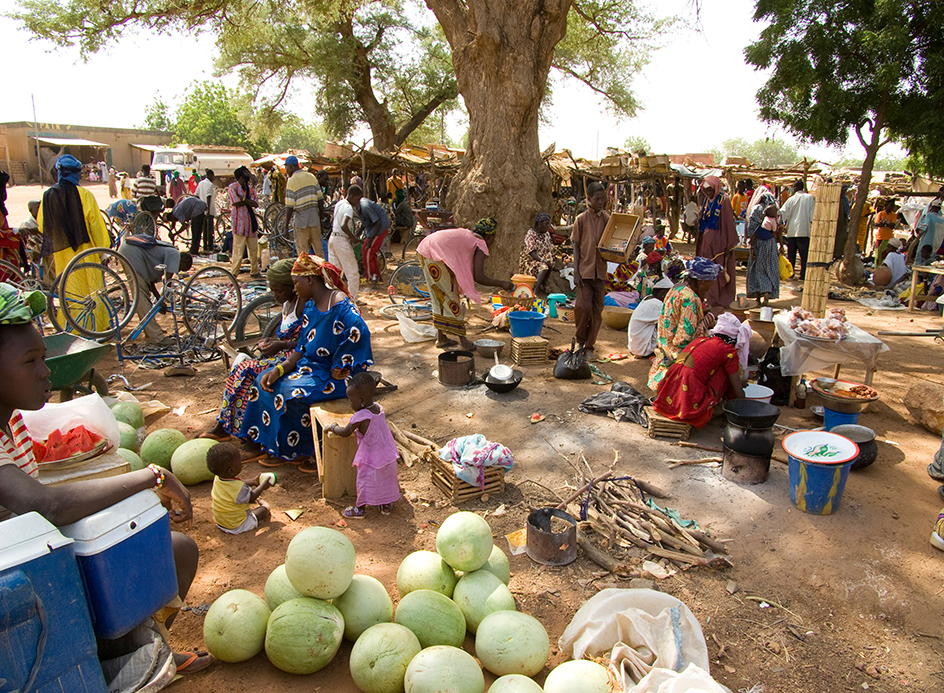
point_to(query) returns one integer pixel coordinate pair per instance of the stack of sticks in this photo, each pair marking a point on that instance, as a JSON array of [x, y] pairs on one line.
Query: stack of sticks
[[412, 447], [617, 513]]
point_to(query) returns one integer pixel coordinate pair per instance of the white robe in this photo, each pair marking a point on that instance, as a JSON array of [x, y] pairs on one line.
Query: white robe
[[643, 332]]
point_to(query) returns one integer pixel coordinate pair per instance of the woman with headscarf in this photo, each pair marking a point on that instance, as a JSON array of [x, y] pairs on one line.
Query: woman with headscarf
[[176, 188], [717, 239], [684, 316], [763, 266], [273, 350], [333, 344], [9, 239], [243, 201], [708, 371], [71, 222], [453, 261], [538, 254]]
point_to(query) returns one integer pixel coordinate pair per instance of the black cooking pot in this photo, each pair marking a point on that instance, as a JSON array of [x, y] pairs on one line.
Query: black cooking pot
[[863, 437], [749, 413], [754, 442]]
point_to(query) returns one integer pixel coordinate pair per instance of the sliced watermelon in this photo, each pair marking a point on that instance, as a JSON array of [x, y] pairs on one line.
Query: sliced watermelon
[[39, 451], [74, 442]]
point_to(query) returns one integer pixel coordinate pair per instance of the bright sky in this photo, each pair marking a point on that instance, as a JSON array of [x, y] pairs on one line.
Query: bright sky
[[686, 107]]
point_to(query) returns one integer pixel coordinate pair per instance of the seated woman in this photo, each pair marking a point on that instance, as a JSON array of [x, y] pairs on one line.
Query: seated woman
[[26, 377], [453, 262], [240, 380], [684, 316], [334, 343], [643, 333], [538, 255], [708, 371]]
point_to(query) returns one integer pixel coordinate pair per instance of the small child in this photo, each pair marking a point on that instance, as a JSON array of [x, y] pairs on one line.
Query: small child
[[770, 219], [233, 496], [376, 458]]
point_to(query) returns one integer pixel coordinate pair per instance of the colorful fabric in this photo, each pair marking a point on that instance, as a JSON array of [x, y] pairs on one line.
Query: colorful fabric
[[303, 193], [63, 216], [543, 244], [654, 258], [280, 420], [456, 249], [17, 446], [376, 460], [242, 216], [621, 278], [711, 208], [727, 325], [697, 381], [228, 511], [763, 269], [444, 297], [717, 243], [470, 455], [311, 265], [542, 218], [679, 323], [20, 307], [69, 169], [703, 269], [240, 380], [486, 226]]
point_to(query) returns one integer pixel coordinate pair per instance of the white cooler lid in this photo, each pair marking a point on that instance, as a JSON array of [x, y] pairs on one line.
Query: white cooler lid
[[104, 529], [27, 537]]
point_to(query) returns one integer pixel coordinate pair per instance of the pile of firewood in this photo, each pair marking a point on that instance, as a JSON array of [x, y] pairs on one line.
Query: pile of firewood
[[412, 447], [618, 515]]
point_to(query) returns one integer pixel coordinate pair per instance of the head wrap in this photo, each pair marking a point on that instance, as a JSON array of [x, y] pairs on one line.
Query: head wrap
[[313, 266], [715, 184], [241, 171], [703, 269], [69, 168], [729, 326], [291, 161], [486, 226], [19, 307], [399, 196], [895, 243], [654, 258], [542, 218], [664, 283], [176, 175], [281, 272]]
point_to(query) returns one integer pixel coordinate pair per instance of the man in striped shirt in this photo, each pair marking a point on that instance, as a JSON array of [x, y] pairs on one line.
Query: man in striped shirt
[[304, 201], [144, 185]]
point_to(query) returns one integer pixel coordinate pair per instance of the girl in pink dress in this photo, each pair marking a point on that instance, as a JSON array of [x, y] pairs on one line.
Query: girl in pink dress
[[376, 458]]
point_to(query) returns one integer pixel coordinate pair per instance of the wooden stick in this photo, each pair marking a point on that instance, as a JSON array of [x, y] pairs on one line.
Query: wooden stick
[[400, 438], [651, 489], [685, 444], [712, 544], [600, 558], [420, 439], [704, 460]]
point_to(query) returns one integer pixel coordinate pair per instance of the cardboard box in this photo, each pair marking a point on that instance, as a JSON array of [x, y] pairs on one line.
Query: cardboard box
[[619, 237], [614, 165]]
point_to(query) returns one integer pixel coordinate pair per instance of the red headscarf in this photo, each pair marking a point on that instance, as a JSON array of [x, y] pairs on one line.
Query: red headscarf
[[313, 266]]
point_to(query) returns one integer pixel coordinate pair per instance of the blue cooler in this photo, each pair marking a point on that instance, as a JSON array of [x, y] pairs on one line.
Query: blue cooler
[[127, 562], [46, 639]]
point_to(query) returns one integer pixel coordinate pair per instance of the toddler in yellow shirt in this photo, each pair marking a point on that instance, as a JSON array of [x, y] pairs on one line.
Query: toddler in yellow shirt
[[233, 497]]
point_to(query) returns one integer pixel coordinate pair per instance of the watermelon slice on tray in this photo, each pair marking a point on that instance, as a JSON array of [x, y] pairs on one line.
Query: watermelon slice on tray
[[57, 446]]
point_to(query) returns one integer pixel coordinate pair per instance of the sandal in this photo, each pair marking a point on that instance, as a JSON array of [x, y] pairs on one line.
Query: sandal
[[352, 512], [196, 661], [386, 508], [213, 436], [267, 461]]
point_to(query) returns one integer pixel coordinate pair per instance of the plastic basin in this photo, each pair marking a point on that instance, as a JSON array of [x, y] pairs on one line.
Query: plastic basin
[[526, 323]]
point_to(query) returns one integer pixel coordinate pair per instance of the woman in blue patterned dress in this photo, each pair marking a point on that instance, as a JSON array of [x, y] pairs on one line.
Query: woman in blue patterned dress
[[334, 343], [243, 375]]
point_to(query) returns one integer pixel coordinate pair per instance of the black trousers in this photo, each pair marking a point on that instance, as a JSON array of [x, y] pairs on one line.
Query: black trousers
[[801, 245], [201, 226]]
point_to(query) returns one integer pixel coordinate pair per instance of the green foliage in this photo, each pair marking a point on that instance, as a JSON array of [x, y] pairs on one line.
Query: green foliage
[[157, 116], [763, 153], [607, 42], [885, 162], [635, 144], [854, 64], [296, 134], [208, 115]]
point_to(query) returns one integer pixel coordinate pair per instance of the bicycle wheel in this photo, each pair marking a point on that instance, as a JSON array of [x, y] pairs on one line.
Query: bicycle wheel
[[98, 293], [408, 280], [181, 233], [418, 310], [12, 274], [271, 212], [144, 223], [282, 240], [260, 318], [210, 304], [411, 245]]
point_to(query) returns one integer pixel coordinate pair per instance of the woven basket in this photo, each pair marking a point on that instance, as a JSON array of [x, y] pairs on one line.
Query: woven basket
[[520, 301]]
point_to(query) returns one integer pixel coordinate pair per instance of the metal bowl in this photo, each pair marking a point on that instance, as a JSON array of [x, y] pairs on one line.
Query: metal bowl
[[751, 413], [502, 386], [489, 347], [862, 436]]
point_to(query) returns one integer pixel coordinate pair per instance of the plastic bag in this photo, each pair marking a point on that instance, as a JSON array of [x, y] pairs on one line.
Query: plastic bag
[[786, 269], [89, 411], [572, 365], [413, 331]]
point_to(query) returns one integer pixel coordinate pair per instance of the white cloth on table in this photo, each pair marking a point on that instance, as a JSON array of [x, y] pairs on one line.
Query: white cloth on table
[[800, 355]]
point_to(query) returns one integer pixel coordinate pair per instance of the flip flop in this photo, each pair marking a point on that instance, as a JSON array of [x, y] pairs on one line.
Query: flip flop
[[196, 661], [447, 345], [213, 436], [267, 461], [311, 470]]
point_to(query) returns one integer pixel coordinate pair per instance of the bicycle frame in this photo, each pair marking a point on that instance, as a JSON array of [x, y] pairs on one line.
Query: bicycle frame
[[170, 287]]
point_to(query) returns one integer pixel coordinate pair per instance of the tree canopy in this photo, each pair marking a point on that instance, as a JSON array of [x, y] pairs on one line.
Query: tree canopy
[[763, 153], [873, 67]]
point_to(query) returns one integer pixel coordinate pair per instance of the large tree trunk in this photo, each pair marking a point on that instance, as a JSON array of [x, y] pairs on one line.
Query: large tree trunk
[[852, 271], [501, 52]]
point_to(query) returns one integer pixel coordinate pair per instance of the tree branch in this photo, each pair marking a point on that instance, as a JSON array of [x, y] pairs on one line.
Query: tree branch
[[424, 113], [453, 16]]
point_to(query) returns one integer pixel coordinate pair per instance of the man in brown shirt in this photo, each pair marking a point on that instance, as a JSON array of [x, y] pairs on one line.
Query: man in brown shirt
[[589, 267]]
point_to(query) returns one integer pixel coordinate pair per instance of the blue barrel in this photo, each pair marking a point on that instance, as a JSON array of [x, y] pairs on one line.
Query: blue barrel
[[832, 419], [819, 464]]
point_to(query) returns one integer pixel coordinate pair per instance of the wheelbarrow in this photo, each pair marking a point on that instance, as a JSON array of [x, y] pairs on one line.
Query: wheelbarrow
[[71, 360]]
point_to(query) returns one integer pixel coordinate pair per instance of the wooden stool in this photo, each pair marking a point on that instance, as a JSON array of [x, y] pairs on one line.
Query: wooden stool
[[662, 427], [529, 351], [334, 454]]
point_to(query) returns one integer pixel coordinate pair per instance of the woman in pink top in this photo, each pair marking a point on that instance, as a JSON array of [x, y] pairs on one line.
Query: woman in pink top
[[376, 457], [453, 261]]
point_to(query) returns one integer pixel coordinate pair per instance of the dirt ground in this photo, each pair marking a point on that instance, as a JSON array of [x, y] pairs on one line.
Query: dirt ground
[[854, 598]]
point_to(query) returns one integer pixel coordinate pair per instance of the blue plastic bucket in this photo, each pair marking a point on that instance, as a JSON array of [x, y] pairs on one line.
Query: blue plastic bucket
[[819, 464], [837, 418], [526, 323]]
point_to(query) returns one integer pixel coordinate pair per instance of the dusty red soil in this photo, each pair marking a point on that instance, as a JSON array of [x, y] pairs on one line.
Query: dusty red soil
[[860, 590]]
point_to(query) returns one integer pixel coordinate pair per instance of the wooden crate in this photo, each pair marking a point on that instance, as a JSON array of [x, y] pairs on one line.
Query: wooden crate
[[334, 454], [529, 351], [619, 237], [456, 490], [662, 427]]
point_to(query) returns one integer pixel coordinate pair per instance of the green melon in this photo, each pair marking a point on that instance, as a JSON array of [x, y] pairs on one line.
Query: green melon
[[433, 618], [480, 593], [279, 589], [578, 675], [189, 461], [498, 565], [464, 541], [365, 603], [380, 657], [131, 458], [128, 436], [515, 683], [159, 446], [235, 626], [509, 642], [303, 635], [425, 570], [444, 669], [320, 562], [129, 412]]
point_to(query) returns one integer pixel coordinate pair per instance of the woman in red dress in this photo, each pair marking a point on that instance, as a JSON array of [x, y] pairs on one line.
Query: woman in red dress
[[707, 372]]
